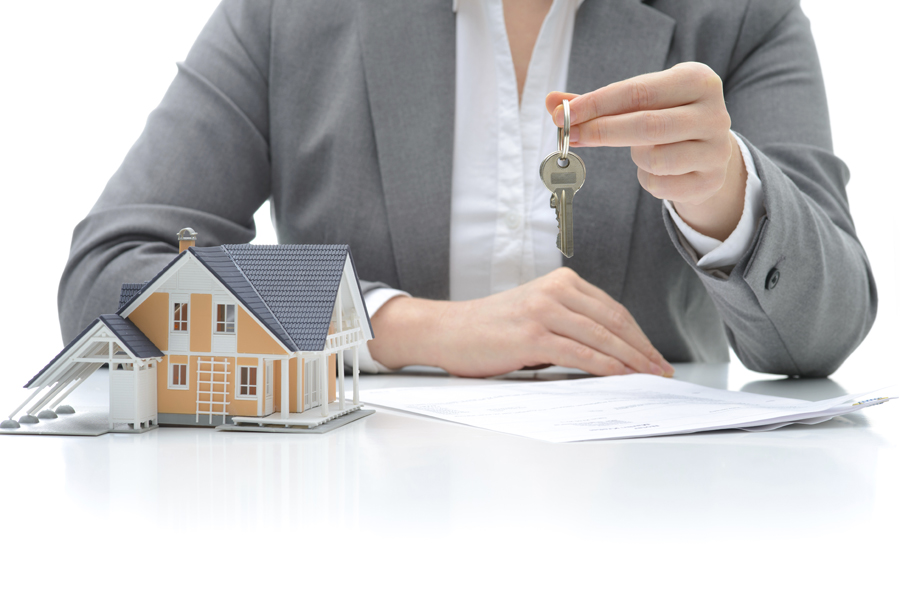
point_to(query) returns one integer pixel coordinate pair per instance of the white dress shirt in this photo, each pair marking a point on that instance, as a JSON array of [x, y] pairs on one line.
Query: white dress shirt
[[502, 229]]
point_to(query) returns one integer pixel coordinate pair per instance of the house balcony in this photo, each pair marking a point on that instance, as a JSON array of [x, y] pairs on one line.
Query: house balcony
[[343, 340]]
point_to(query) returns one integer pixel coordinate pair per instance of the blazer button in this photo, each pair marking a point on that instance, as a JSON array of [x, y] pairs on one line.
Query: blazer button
[[772, 279]]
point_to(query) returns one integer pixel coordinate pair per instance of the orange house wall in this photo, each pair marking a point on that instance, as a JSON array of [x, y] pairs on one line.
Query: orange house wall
[[332, 378], [253, 339], [176, 401], [185, 401], [200, 314], [245, 406], [292, 386], [152, 318], [293, 383]]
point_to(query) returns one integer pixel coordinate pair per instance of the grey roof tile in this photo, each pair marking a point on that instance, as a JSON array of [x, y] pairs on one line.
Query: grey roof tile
[[291, 288], [129, 291], [130, 336], [220, 263]]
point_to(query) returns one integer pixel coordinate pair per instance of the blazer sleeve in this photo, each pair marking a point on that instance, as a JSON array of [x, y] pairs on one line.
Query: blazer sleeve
[[202, 161], [802, 297]]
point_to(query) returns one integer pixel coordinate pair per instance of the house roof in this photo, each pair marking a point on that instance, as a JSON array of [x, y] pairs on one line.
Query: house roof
[[129, 291], [221, 264], [291, 288], [122, 328], [130, 336]]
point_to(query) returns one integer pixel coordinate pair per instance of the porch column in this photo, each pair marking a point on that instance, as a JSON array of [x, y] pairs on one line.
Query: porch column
[[260, 385], [356, 375], [285, 388], [323, 384], [300, 384], [340, 354], [340, 377], [135, 401]]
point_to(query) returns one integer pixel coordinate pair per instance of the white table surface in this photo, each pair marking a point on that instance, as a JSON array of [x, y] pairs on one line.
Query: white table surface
[[424, 508]]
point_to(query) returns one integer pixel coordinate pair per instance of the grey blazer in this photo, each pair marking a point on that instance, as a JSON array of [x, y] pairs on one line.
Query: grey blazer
[[341, 112]]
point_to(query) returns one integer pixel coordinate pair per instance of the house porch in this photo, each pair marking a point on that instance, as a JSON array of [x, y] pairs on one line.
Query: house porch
[[307, 419]]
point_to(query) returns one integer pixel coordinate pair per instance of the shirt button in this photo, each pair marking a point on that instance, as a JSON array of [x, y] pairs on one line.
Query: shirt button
[[512, 220], [772, 279]]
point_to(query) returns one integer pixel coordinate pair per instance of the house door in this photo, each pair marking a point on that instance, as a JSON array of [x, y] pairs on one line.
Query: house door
[[311, 384], [270, 381]]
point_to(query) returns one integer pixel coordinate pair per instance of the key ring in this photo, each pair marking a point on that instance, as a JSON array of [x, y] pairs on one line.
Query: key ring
[[562, 134]]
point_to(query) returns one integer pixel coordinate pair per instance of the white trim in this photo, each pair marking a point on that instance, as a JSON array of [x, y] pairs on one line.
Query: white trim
[[323, 385], [179, 297], [358, 303], [260, 376], [217, 301], [187, 375], [61, 363], [356, 375], [237, 392], [285, 388]]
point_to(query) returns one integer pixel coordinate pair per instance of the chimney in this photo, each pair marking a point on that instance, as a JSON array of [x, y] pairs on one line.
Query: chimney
[[186, 238]]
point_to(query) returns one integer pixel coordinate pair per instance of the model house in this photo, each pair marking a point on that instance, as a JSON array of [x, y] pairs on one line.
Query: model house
[[243, 335]]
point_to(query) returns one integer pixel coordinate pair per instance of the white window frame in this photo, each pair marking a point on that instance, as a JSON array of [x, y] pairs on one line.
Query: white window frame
[[216, 321], [241, 385], [187, 318], [187, 376]]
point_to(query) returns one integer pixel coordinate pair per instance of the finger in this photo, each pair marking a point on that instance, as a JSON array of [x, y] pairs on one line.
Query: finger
[[603, 310], [590, 333], [646, 128], [554, 101], [682, 84], [683, 157], [566, 352], [577, 294], [692, 187]]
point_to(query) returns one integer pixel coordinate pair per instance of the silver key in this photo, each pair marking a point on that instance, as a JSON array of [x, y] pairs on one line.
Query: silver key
[[563, 180], [563, 173]]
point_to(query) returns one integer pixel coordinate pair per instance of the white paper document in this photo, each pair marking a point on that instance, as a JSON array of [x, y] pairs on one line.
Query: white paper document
[[612, 407]]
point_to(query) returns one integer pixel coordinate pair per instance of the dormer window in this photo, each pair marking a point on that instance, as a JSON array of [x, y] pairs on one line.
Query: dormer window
[[225, 319], [179, 317]]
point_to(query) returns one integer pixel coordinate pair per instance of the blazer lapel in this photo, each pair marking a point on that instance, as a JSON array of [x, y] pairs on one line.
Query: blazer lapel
[[613, 40], [409, 56]]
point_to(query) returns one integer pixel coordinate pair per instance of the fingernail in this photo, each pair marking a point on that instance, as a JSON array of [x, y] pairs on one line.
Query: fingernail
[[667, 367], [657, 370], [558, 117], [573, 133]]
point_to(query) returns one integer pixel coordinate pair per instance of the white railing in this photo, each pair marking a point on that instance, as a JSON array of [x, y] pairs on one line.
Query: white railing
[[342, 340]]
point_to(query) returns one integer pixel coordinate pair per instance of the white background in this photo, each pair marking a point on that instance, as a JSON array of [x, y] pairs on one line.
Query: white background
[[80, 78]]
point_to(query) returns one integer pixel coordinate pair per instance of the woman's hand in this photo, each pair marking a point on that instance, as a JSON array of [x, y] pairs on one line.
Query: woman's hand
[[677, 126], [557, 319]]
